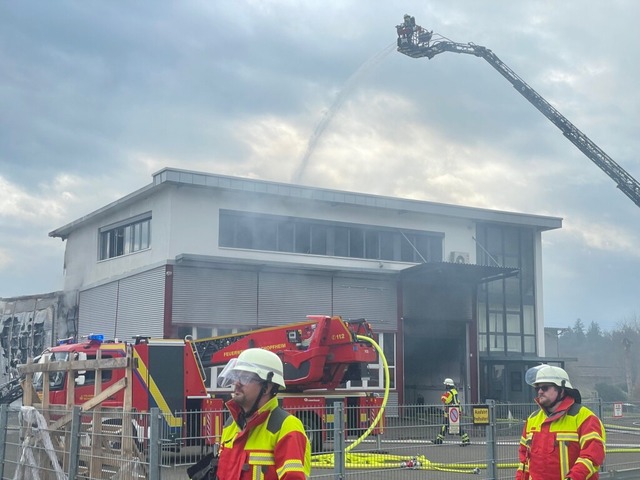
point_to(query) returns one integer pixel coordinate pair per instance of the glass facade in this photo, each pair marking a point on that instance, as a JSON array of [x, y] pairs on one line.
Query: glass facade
[[506, 308], [506, 312]]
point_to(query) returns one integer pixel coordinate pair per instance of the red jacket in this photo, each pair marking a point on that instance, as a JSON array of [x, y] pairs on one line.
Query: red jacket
[[272, 446], [570, 443]]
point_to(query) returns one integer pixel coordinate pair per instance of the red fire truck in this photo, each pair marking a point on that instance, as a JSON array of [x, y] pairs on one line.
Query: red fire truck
[[318, 356]]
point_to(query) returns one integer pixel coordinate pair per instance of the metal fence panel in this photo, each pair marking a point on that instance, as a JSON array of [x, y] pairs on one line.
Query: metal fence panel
[[112, 444]]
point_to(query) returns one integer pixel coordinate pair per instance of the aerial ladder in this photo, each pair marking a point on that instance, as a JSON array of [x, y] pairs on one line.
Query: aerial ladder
[[320, 353], [417, 42]]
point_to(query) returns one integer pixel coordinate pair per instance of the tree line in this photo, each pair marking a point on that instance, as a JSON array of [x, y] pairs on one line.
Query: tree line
[[605, 361]]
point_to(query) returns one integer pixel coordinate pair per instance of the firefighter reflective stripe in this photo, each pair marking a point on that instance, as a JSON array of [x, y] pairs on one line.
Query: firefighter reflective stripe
[[567, 437], [570, 443], [563, 451], [257, 474], [261, 458], [590, 436], [292, 465], [272, 446], [588, 464]]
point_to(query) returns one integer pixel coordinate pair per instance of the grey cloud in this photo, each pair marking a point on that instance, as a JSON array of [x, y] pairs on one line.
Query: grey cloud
[[106, 91]]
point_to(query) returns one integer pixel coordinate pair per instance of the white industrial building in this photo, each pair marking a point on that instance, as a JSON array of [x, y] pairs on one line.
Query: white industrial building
[[452, 291]]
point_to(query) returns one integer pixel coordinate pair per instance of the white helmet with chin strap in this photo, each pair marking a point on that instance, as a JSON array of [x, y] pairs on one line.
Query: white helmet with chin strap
[[547, 374], [263, 363], [449, 382]]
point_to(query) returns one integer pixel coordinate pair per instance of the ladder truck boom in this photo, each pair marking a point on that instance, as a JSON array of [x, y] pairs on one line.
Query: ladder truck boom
[[320, 353], [417, 42]]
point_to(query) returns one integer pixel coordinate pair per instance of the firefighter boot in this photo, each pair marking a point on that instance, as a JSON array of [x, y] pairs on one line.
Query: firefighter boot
[[439, 439], [466, 441]]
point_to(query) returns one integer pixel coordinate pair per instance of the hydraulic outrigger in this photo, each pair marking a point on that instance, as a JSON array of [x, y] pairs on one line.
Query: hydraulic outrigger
[[417, 42]]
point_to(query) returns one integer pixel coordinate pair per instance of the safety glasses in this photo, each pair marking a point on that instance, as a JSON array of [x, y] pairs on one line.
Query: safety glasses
[[245, 378], [229, 378], [544, 388]]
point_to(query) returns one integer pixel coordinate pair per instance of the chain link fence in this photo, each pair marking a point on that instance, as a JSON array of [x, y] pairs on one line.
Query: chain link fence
[[112, 444]]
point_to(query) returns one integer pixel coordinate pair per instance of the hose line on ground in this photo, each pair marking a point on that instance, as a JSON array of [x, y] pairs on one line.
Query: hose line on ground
[[366, 460]]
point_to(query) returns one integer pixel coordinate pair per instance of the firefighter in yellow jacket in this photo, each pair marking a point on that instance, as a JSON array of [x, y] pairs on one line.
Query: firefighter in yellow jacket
[[563, 440], [450, 399], [260, 440]]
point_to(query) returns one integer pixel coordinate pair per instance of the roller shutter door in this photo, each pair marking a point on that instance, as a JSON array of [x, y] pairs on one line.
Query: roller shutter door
[[373, 299], [97, 310], [290, 297], [207, 296], [141, 305]]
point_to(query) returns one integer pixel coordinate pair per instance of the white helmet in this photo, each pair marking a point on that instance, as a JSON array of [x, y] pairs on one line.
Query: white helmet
[[253, 360], [449, 382], [547, 374]]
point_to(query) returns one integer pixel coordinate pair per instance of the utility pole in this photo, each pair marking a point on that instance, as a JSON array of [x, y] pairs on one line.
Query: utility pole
[[626, 343]]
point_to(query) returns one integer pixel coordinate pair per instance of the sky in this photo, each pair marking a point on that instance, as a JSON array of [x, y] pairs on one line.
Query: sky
[[96, 96]]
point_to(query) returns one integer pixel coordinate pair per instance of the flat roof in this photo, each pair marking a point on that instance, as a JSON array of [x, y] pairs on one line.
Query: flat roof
[[173, 176]]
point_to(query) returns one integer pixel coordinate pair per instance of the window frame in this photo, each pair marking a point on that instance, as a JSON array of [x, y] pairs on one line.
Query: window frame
[[125, 237], [305, 236]]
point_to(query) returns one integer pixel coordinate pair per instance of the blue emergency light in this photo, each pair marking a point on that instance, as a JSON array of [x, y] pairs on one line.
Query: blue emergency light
[[95, 337]]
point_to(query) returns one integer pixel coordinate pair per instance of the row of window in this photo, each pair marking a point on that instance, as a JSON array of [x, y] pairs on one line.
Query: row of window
[[506, 313], [298, 235], [123, 239]]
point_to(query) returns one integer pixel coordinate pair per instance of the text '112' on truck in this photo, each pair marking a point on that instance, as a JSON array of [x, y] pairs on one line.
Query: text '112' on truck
[[319, 356]]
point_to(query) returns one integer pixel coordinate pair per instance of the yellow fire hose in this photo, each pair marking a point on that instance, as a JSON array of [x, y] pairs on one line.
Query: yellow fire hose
[[364, 460]]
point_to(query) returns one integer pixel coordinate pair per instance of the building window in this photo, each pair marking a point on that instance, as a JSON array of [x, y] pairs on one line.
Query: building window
[[506, 308], [125, 237], [305, 236]]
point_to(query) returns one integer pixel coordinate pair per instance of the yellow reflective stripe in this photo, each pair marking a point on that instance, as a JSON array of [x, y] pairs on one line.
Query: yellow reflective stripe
[[567, 437], [292, 465], [590, 436], [257, 473], [564, 459], [261, 458], [589, 464], [155, 392]]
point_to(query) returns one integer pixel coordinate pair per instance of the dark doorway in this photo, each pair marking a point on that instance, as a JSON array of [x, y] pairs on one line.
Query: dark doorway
[[433, 351]]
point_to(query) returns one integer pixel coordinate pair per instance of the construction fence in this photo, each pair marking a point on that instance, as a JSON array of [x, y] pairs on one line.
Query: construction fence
[[112, 444]]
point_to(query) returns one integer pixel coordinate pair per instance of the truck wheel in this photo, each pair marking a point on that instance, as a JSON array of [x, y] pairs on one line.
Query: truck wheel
[[311, 424]]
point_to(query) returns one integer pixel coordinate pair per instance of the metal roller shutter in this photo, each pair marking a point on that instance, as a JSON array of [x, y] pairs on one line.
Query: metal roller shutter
[[373, 299], [141, 305], [207, 296], [97, 310], [290, 297]]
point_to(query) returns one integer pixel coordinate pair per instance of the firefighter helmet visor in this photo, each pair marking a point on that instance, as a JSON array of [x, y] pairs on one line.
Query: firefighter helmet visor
[[263, 364], [545, 374]]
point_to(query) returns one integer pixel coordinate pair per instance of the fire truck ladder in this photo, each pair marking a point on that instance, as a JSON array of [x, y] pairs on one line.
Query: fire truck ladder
[[204, 348], [189, 339], [416, 42]]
